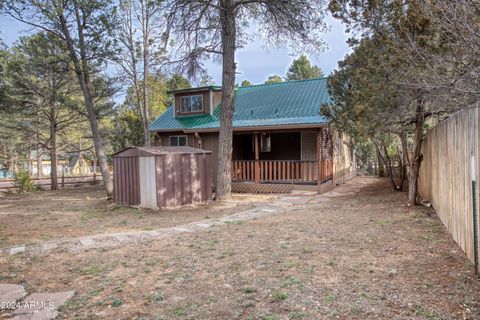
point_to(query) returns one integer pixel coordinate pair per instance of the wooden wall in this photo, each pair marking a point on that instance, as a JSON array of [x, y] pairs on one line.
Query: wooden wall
[[445, 178], [342, 157]]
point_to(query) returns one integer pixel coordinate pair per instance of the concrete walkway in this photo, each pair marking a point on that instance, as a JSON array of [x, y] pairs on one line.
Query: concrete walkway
[[36, 306], [279, 205]]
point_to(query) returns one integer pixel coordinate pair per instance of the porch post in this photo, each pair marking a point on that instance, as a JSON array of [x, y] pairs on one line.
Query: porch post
[[319, 158], [257, 164]]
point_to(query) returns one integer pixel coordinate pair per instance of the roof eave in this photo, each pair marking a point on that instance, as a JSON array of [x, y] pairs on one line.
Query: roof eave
[[253, 128], [213, 88]]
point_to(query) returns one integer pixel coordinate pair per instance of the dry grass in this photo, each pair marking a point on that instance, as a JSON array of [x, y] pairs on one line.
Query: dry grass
[[45, 215], [355, 253]]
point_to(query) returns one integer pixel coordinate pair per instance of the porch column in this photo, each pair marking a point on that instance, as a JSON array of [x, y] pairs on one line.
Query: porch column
[[257, 157], [199, 140], [319, 157]]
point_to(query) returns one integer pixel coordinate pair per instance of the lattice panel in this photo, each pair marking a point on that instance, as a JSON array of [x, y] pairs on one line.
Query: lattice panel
[[327, 144], [248, 187]]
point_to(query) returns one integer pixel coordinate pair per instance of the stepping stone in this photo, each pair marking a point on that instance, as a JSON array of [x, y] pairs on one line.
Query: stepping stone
[[10, 293], [203, 225], [42, 306], [15, 250], [182, 229], [49, 246], [87, 242]]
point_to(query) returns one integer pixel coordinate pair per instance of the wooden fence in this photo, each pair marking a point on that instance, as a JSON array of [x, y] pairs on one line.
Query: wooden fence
[[445, 175], [63, 181]]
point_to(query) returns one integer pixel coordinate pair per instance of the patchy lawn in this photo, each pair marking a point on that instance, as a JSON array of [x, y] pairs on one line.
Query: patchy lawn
[[355, 253], [45, 215]]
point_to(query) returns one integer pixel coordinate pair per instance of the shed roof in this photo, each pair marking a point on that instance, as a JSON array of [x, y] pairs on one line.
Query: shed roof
[[293, 102], [153, 151]]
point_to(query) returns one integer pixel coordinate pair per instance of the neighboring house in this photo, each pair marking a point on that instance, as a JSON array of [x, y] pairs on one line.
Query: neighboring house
[[279, 136], [78, 166]]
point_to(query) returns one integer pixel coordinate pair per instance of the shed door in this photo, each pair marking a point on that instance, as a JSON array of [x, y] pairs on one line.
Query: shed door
[[148, 184]]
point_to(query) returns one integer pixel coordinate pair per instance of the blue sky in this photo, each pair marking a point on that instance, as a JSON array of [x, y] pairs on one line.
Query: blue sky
[[255, 63]]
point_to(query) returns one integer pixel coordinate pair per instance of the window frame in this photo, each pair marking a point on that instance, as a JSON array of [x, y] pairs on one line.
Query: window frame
[[190, 97], [177, 137]]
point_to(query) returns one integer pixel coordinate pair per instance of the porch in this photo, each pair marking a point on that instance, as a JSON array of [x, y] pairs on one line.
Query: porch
[[269, 162]]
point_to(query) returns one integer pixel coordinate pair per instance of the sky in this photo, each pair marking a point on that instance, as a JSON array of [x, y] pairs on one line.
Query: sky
[[254, 62]]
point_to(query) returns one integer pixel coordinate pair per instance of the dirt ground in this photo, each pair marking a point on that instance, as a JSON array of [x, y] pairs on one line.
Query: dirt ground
[[357, 252], [45, 215]]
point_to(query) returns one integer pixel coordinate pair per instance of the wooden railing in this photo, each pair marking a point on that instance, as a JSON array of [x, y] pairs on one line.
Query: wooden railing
[[280, 170]]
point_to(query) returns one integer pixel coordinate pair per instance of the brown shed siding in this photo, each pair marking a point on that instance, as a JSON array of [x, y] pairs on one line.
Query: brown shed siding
[[183, 179], [182, 175], [126, 181]]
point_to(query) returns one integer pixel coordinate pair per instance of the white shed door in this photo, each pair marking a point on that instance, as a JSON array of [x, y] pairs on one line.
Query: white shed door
[[148, 183]]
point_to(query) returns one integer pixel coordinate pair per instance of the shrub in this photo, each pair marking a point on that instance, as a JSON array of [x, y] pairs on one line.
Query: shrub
[[23, 182]]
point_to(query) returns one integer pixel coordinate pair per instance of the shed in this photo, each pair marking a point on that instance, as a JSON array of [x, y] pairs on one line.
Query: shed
[[159, 177]]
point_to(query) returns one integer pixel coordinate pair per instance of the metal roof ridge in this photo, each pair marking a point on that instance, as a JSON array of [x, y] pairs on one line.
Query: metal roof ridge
[[284, 82]]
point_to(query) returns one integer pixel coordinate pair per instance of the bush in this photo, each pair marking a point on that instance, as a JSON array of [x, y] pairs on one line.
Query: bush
[[23, 182]]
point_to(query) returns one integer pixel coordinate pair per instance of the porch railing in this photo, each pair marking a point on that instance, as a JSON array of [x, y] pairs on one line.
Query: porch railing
[[281, 170]]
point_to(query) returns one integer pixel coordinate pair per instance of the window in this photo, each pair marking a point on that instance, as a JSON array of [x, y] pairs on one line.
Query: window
[[191, 103], [178, 141]]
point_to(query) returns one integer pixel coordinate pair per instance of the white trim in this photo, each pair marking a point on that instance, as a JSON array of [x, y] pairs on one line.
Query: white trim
[[210, 94], [148, 182]]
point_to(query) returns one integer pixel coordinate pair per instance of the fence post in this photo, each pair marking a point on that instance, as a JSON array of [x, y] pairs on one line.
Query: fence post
[[63, 180], [94, 177], [474, 207]]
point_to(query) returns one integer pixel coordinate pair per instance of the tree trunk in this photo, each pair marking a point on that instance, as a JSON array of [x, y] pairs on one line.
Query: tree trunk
[[53, 150], [99, 148], [414, 167], [380, 163], [405, 157], [146, 57], [224, 178], [82, 70], [390, 170]]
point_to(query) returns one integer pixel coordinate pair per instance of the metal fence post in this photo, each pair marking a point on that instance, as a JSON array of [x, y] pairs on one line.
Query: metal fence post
[[474, 207]]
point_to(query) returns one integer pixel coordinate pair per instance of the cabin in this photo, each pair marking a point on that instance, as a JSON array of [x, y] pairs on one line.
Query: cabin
[[281, 141]]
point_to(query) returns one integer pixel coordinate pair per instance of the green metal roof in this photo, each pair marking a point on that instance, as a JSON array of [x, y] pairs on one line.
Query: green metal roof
[[286, 103]]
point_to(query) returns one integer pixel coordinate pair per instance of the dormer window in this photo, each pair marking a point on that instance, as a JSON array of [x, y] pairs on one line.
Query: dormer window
[[191, 103]]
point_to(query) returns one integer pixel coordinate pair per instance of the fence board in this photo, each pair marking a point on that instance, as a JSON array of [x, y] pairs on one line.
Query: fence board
[[445, 178]]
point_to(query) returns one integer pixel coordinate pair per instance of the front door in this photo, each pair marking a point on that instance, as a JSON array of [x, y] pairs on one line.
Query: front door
[[309, 153], [309, 146]]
